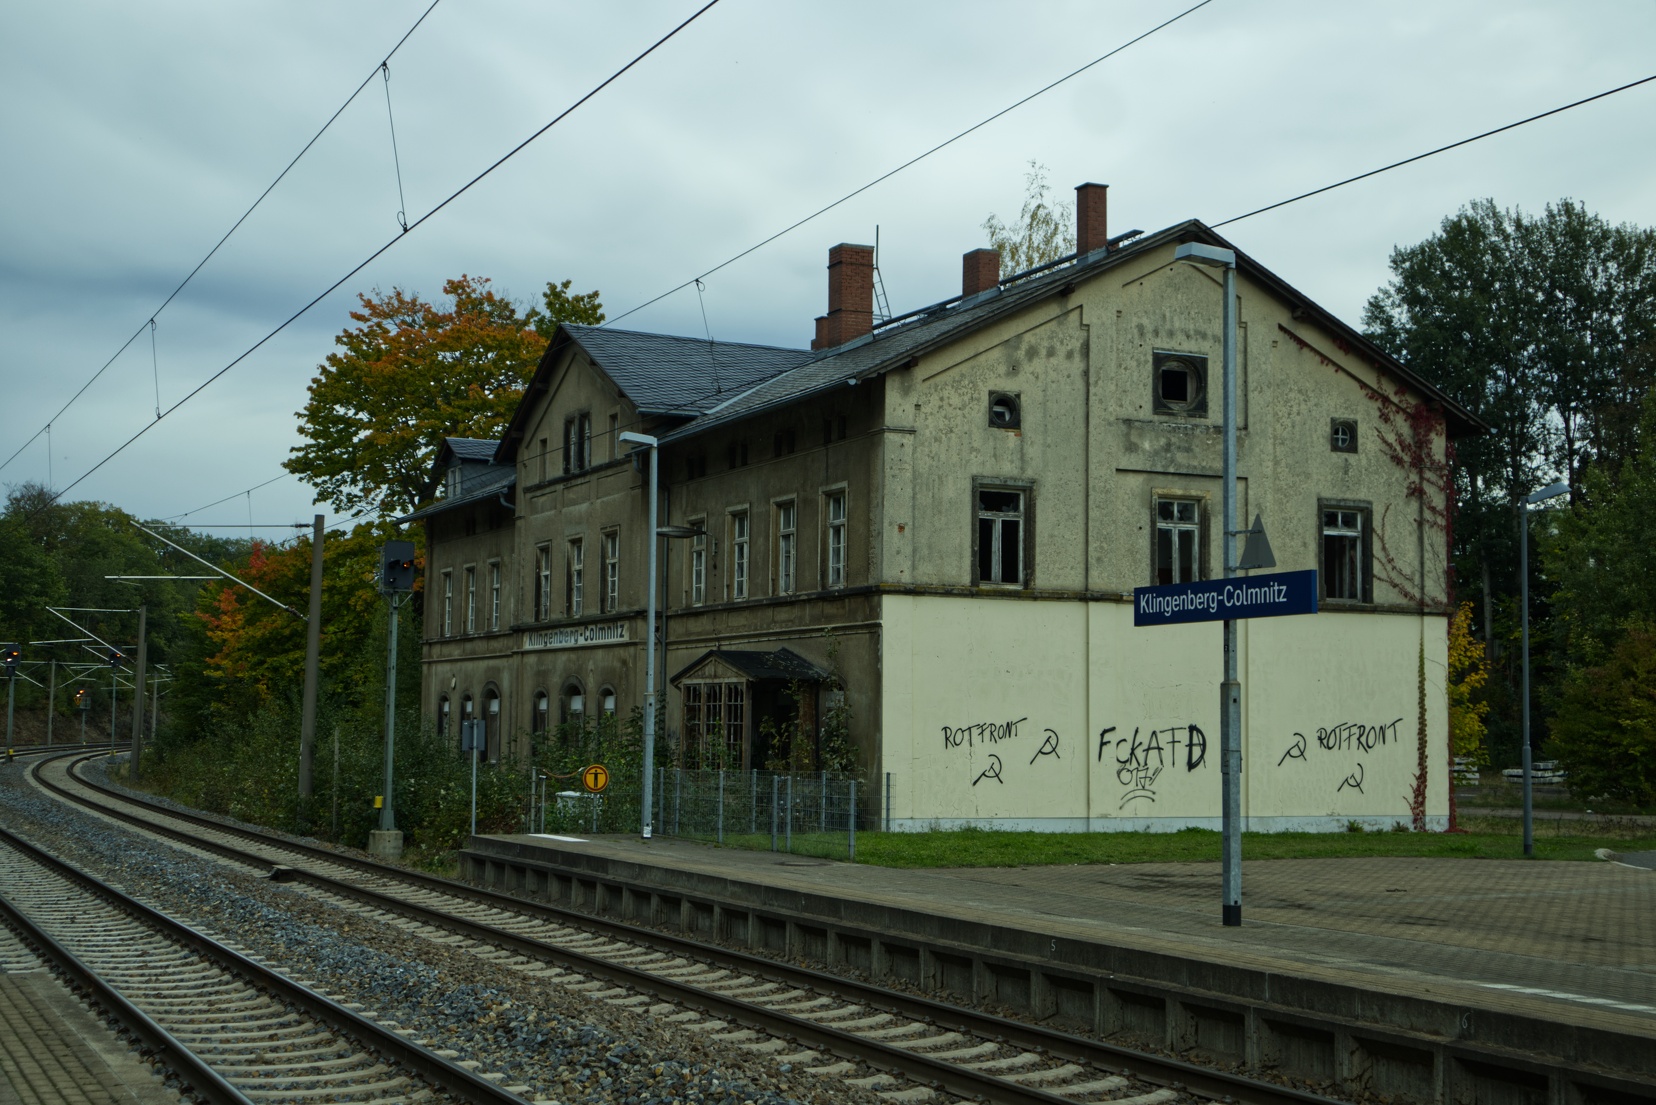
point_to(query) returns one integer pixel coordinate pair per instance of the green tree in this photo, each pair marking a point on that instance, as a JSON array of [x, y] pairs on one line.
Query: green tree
[[1605, 731], [411, 373], [1043, 231]]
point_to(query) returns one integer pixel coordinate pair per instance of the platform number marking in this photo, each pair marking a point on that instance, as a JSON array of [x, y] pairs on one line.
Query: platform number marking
[[595, 776]]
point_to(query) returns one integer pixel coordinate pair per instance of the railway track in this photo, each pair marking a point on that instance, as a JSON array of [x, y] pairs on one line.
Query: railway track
[[903, 1047], [230, 1030]]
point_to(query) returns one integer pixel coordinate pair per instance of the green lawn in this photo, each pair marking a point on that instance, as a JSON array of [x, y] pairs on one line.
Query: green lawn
[[1490, 838]]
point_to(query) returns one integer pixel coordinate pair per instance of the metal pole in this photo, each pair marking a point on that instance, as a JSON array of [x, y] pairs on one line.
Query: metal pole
[[776, 786], [388, 819], [790, 813], [155, 707], [721, 805], [888, 802], [83, 714], [114, 696], [649, 648], [313, 651], [471, 750], [11, 692], [822, 813], [851, 817], [336, 783], [51, 702], [753, 802], [138, 690], [1230, 692], [1523, 601]]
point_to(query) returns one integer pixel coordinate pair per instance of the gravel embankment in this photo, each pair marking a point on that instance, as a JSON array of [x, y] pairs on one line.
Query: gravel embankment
[[565, 1047]]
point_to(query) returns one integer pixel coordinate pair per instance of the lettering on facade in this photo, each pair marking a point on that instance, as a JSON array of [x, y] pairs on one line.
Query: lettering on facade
[[605, 633], [984, 732], [1354, 780]]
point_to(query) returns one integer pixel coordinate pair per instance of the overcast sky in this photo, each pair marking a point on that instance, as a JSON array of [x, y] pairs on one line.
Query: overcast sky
[[134, 136]]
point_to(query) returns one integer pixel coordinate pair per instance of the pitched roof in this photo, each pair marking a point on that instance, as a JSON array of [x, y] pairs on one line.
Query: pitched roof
[[470, 448], [490, 483], [784, 663], [667, 374], [893, 345]]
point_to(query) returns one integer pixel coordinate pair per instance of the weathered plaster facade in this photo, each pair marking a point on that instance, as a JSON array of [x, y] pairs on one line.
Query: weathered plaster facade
[[951, 513]]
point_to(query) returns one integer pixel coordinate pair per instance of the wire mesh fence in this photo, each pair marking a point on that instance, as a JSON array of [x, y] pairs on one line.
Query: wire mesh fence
[[812, 814]]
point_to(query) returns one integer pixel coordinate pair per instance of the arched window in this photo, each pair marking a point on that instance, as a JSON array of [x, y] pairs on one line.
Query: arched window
[[606, 701], [538, 720], [466, 711], [443, 716], [571, 703], [491, 722]]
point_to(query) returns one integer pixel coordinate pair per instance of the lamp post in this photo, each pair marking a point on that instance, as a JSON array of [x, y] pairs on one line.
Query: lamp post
[[1551, 491], [654, 446], [1230, 691]]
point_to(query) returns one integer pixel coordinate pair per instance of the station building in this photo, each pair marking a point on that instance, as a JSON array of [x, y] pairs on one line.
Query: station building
[[935, 523]]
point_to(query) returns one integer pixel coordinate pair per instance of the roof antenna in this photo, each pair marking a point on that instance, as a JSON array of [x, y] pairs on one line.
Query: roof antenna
[[882, 308], [711, 357]]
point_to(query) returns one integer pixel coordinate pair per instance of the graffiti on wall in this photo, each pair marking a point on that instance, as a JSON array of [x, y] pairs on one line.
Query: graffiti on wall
[[983, 732], [1140, 759], [1353, 739]]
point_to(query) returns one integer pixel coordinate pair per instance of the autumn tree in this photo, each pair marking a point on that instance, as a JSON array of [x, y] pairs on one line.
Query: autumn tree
[[411, 373], [1043, 232], [1468, 672]]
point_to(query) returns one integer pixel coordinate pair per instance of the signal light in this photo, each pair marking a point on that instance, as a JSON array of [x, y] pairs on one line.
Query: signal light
[[397, 561], [115, 657], [81, 702], [9, 655]]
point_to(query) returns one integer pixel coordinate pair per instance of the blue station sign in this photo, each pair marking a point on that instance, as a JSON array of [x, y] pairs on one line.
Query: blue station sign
[[1262, 596]]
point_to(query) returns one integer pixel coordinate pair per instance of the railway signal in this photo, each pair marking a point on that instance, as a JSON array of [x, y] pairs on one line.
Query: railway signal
[[10, 654], [115, 657]]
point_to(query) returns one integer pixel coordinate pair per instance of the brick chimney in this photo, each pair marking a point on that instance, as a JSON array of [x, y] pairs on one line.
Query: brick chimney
[[1091, 229], [850, 296], [979, 271]]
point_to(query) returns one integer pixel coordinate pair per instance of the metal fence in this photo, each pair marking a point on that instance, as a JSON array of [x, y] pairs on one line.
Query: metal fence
[[812, 813]]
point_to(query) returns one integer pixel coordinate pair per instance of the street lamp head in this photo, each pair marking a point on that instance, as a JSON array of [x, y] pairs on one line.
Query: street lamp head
[[638, 439], [1551, 491], [1198, 254]]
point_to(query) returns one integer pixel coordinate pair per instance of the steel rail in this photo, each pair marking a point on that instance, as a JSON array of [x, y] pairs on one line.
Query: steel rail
[[1172, 1073], [200, 1079], [433, 1068]]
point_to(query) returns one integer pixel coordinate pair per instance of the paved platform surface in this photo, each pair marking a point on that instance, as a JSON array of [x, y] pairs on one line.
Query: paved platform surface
[[1573, 942], [54, 1052]]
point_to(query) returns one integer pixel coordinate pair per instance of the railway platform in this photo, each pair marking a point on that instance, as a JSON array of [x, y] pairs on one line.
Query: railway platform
[[54, 1052], [1392, 959]]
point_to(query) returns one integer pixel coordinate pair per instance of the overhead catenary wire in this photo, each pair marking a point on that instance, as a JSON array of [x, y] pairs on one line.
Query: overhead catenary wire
[[1432, 153], [979, 125], [372, 257], [220, 243]]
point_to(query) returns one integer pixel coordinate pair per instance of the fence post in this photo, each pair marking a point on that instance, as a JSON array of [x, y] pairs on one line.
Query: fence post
[[678, 799], [753, 803], [661, 798], [851, 816], [822, 814], [597, 799], [790, 812], [721, 805], [888, 802]]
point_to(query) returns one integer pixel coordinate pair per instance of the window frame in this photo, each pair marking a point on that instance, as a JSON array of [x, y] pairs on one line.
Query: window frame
[[1202, 563], [574, 576], [696, 563], [741, 553], [834, 532], [785, 542], [577, 443], [611, 539], [448, 602], [543, 581], [1026, 536], [494, 595], [1335, 425], [471, 598], [1365, 551], [1194, 407]]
